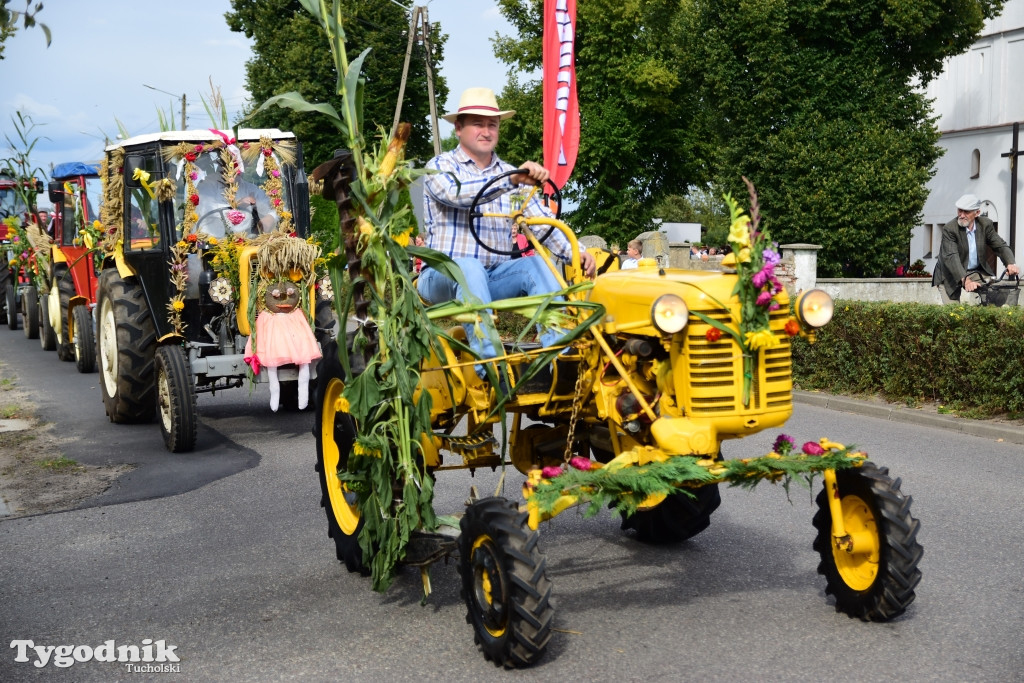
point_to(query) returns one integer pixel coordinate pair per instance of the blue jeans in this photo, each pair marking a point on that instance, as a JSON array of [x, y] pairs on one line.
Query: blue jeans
[[527, 276]]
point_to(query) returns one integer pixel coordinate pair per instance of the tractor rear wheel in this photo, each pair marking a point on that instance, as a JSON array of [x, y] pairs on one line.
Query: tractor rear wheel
[[11, 296], [875, 579], [176, 399], [335, 433], [676, 518], [47, 337], [84, 339], [504, 583], [61, 292], [125, 347], [30, 314]]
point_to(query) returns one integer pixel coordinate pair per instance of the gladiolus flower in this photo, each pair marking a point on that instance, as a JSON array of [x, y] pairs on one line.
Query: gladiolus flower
[[713, 334], [762, 339], [812, 448], [764, 298], [739, 232], [744, 255]]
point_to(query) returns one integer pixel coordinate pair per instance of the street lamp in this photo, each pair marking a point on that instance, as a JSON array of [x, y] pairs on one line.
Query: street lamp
[[172, 95]]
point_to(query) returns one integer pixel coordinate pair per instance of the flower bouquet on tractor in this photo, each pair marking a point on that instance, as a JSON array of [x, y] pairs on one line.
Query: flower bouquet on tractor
[[656, 370]]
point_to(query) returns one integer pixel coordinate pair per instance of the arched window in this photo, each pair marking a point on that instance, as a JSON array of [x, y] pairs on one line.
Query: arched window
[[975, 164]]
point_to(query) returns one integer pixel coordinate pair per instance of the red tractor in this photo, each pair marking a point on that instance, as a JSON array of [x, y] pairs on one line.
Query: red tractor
[[67, 323], [16, 200]]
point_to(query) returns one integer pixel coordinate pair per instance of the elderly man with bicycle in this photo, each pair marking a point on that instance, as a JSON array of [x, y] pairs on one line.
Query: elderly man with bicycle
[[967, 240]]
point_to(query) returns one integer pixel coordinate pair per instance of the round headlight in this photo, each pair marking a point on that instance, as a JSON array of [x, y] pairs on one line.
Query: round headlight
[[669, 314], [814, 308]]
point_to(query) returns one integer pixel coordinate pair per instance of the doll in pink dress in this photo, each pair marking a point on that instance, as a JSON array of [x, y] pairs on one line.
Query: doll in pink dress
[[283, 336]]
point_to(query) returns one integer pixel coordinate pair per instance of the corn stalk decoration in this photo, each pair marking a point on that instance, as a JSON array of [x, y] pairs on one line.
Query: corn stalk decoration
[[396, 331]]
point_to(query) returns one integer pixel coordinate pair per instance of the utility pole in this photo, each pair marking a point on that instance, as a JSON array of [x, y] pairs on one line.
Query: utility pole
[[419, 28], [1013, 154], [172, 95]]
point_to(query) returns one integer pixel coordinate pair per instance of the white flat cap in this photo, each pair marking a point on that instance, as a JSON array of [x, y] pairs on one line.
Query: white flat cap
[[968, 202]]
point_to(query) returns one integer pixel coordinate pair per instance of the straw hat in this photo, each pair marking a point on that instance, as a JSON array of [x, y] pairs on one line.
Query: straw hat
[[478, 101]]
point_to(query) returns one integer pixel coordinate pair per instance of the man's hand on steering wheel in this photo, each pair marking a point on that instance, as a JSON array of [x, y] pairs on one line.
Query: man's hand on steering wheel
[[532, 174], [588, 263]]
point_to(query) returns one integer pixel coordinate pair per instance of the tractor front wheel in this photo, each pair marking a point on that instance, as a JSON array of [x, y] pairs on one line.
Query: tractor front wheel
[[47, 337], [125, 346], [84, 339], [176, 399], [11, 298], [873, 571], [61, 292], [504, 583], [335, 433], [30, 300]]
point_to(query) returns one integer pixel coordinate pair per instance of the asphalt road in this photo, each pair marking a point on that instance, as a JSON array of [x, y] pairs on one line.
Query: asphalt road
[[224, 555]]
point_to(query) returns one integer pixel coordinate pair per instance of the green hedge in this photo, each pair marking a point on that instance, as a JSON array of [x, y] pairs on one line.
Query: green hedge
[[968, 358]]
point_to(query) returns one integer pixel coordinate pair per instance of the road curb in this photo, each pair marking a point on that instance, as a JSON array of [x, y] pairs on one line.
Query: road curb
[[986, 429]]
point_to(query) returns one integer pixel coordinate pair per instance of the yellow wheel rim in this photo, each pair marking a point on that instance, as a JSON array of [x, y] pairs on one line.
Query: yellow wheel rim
[[346, 515], [487, 586], [858, 565]]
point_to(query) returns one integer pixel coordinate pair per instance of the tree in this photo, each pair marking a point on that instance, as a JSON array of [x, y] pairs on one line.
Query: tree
[[291, 53], [9, 21], [639, 140], [819, 104]]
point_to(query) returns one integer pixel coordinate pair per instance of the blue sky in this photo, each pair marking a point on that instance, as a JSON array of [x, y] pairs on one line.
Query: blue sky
[[105, 52]]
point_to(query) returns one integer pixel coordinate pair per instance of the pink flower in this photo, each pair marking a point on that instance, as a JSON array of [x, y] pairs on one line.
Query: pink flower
[[15, 239], [276, 173], [235, 216], [277, 202], [783, 444], [812, 448], [550, 472], [580, 463], [764, 298], [761, 277], [194, 175]]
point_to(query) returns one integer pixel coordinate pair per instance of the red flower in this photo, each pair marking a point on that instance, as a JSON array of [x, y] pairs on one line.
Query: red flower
[[266, 152], [194, 198], [713, 334], [199, 149], [812, 448], [192, 238], [792, 327], [190, 156]]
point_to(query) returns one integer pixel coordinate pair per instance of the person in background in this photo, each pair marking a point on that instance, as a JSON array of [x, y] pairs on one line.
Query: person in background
[[632, 259], [964, 251]]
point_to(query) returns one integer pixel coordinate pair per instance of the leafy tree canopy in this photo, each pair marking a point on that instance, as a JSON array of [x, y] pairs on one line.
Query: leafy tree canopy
[[818, 103], [291, 53]]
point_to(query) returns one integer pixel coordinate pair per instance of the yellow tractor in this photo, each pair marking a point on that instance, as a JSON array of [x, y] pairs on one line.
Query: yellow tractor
[[634, 413]]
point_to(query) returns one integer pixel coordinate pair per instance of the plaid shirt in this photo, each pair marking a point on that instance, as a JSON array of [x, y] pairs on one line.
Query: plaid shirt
[[446, 210]]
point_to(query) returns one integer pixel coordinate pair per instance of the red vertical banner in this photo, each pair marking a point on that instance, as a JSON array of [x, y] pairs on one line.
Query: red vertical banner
[[561, 109]]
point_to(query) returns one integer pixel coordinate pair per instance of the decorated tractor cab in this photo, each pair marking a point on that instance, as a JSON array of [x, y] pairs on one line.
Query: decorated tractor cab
[[75, 190], [208, 281], [24, 243], [658, 370]]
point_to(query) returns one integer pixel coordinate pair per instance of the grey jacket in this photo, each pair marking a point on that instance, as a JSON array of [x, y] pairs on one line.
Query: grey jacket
[[951, 267]]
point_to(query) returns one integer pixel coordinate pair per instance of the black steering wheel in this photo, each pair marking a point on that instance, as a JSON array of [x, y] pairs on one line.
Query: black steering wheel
[[474, 214]]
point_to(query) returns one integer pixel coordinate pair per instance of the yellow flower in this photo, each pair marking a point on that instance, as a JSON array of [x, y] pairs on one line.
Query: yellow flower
[[365, 227], [212, 241], [193, 217], [178, 304], [294, 274], [762, 339], [739, 231], [403, 238], [341, 404], [744, 255], [97, 225], [182, 244]]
